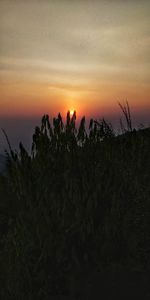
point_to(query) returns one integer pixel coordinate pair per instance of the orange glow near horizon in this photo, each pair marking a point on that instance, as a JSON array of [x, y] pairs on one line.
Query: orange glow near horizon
[[33, 99]]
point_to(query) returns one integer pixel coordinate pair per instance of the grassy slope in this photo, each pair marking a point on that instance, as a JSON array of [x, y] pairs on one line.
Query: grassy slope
[[78, 205]]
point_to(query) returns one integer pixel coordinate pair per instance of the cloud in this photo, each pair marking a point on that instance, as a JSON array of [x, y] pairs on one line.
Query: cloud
[[75, 45]]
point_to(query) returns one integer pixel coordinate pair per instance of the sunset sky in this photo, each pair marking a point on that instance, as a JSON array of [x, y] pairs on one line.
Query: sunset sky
[[79, 54]]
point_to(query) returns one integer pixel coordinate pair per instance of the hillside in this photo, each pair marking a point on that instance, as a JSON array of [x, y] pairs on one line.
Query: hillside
[[75, 212]]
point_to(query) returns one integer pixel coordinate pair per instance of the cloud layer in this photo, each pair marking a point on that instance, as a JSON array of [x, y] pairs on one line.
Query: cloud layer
[[56, 54]]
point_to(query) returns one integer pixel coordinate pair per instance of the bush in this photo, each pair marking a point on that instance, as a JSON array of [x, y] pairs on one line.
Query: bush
[[79, 200]]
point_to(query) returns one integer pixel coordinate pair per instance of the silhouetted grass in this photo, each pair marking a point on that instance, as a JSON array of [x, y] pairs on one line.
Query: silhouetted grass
[[78, 203]]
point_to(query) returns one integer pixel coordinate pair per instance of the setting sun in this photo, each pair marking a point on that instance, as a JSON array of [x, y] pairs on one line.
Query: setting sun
[[71, 112]]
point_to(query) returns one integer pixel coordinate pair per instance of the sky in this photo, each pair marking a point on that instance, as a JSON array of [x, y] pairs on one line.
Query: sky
[[83, 55]]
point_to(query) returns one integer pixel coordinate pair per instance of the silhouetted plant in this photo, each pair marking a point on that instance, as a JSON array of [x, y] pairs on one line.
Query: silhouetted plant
[[126, 112], [80, 199]]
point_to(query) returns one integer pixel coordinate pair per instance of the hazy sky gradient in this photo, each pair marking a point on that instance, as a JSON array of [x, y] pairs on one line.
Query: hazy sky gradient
[[83, 55]]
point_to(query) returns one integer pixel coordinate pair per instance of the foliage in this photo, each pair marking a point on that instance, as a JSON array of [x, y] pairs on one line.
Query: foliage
[[79, 200]]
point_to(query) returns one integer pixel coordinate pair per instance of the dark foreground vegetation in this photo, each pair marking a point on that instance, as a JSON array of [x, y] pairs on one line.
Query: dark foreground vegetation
[[75, 214]]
